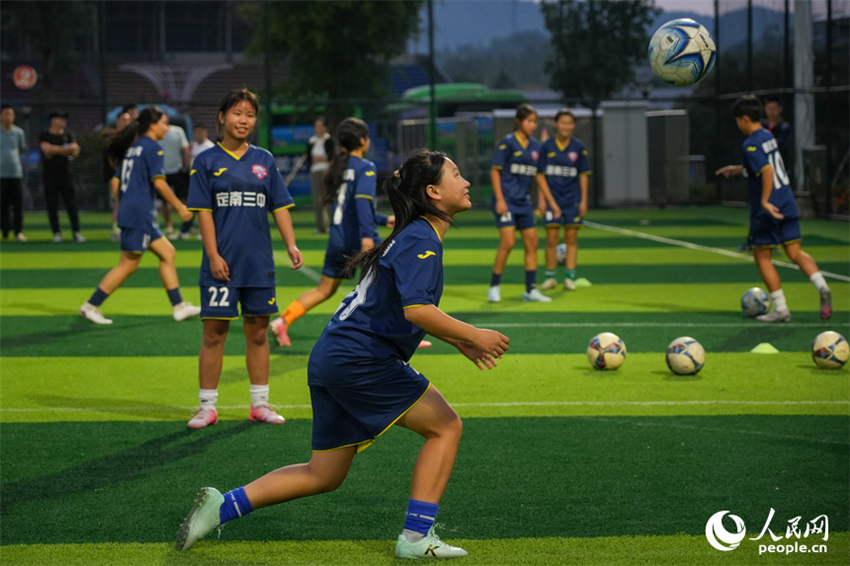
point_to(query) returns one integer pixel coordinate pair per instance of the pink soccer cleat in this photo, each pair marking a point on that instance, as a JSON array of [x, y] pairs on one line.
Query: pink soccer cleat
[[262, 413]]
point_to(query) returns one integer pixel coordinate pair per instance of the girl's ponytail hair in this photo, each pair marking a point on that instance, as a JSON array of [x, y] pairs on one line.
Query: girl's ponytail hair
[[118, 147], [407, 191], [349, 135]]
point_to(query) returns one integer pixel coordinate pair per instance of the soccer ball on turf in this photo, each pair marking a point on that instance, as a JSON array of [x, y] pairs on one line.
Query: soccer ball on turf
[[606, 351], [681, 52], [685, 356], [561, 254], [755, 301], [830, 350]]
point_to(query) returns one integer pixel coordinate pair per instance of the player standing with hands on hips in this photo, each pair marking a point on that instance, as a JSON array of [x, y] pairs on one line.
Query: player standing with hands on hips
[[140, 176], [562, 178], [512, 174], [234, 186], [360, 380], [774, 218]]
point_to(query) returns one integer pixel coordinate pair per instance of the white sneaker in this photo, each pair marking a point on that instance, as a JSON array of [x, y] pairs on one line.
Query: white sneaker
[[430, 546], [569, 284], [775, 316], [204, 417], [203, 518], [91, 313], [549, 284], [185, 310], [494, 295], [57, 237], [79, 238], [536, 296], [115, 236], [20, 237]]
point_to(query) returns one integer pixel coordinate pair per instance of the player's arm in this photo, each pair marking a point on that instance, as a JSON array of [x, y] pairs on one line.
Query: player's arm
[[496, 181], [766, 175], [115, 187], [284, 225], [480, 345], [168, 195], [730, 170], [582, 185], [218, 265], [546, 194]]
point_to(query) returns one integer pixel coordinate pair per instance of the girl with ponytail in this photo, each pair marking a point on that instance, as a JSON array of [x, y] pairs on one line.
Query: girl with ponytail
[[360, 380], [139, 177], [350, 190]]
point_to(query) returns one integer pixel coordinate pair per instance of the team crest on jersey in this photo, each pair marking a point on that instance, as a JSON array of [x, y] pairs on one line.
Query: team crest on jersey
[[572, 155], [259, 171], [535, 154]]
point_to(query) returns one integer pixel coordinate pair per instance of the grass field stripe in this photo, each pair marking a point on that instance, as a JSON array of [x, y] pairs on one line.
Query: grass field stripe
[[727, 402], [309, 273], [647, 324], [690, 245], [668, 425]]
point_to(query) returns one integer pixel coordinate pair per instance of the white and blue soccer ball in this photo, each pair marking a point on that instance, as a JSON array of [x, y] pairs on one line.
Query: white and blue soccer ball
[[755, 301], [830, 350], [606, 351], [561, 254], [682, 52], [685, 356]]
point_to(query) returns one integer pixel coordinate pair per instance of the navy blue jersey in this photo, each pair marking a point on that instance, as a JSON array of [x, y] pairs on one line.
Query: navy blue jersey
[[141, 165], [517, 163], [240, 192], [760, 150], [369, 323], [562, 167], [354, 212]]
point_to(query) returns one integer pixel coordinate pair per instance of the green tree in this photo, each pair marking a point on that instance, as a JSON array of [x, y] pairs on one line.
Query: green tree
[[596, 45], [340, 49]]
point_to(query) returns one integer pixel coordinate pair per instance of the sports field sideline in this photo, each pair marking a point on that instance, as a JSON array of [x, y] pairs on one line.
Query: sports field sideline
[[560, 464]]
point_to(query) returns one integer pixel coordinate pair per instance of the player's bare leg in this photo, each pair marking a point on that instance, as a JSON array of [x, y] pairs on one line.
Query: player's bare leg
[[770, 276], [530, 242], [810, 268], [257, 362], [507, 241], [550, 256], [571, 241]]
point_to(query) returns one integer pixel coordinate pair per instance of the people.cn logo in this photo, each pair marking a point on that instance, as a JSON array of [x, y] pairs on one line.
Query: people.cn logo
[[719, 537]]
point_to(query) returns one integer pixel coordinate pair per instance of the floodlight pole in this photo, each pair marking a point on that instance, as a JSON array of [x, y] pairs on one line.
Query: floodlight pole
[[432, 114]]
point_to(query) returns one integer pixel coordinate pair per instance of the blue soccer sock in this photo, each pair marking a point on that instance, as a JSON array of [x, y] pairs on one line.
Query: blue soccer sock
[[495, 279], [530, 280], [420, 516], [174, 296], [98, 297], [236, 504]]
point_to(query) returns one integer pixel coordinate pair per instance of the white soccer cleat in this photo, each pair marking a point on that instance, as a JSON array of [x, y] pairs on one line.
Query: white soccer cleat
[[185, 310], [92, 314], [569, 284], [430, 546], [775, 316], [494, 295], [549, 284], [79, 238], [57, 237], [536, 296], [203, 518], [262, 413], [204, 417]]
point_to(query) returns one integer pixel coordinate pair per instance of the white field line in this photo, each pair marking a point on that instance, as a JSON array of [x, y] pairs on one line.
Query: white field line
[[692, 246], [311, 274], [723, 402]]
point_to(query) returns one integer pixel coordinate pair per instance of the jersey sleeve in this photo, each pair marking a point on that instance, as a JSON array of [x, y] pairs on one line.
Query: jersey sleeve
[[755, 157], [364, 199], [280, 197], [154, 161], [583, 160], [199, 188], [500, 157], [417, 267]]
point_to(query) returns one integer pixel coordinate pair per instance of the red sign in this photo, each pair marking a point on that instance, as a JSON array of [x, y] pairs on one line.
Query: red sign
[[25, 77]]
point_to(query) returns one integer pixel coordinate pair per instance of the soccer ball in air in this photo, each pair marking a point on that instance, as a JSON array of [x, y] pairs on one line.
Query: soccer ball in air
[[606, 351], [685, 356], [681, 52], [561, 254], [830, 350], [755, 301]]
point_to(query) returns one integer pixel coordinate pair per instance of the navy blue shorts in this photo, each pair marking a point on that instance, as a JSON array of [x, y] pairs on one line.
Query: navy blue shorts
[[519, 217], [137, 240], [354, 404], [569, 218], [220, 301], [768, 232]]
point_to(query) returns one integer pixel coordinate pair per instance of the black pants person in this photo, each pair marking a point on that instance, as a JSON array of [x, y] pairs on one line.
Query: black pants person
[[53, 189], [11, 200]]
